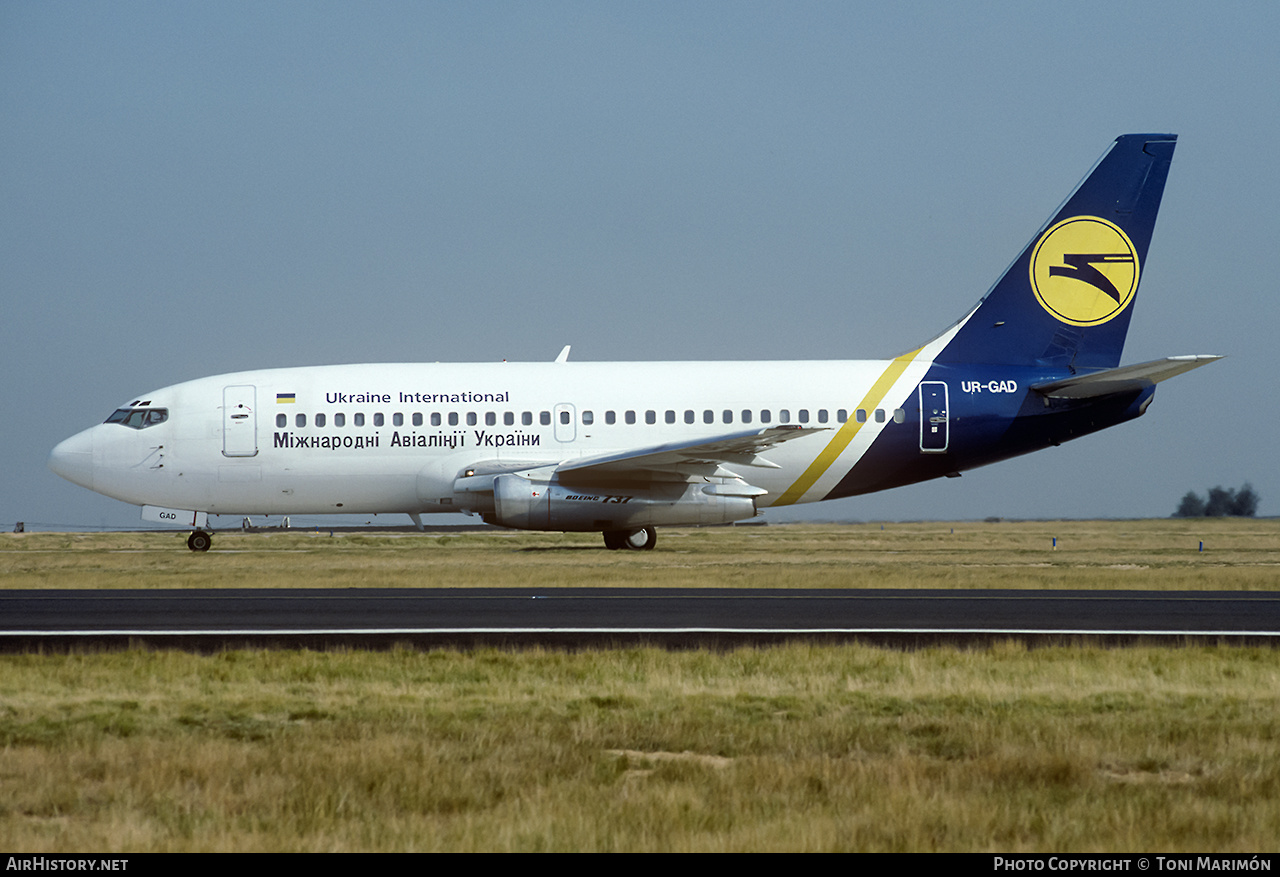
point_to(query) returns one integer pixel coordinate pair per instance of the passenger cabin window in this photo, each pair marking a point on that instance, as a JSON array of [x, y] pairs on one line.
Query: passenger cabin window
[[879, 415], [670, 416], [651, 417], [358, 419], [471, 418], [339, 420], [544, 418], [453, 418], [727, 415], [508, 418], [320, 420], [899, 415], [766, 416], [138, 418], [282, 420], [300, 420], [861, 415], [746, 415], [398, 419], [631, 417], [708, 416], [610, 417], [377, 420], [490, 418], [588, 418]]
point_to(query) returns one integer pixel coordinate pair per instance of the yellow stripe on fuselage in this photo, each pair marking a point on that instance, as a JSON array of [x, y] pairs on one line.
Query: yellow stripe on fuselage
[[846, 433]]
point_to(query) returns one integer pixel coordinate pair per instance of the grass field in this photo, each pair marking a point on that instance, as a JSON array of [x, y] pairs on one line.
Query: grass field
[[788, 748], [1239, 554]]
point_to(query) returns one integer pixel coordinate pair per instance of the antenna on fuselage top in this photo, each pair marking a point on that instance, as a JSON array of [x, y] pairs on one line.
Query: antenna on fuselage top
[[564, 354]]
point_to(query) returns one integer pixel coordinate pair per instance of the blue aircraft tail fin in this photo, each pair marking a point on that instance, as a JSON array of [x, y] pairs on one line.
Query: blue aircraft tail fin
[[1067, 299]]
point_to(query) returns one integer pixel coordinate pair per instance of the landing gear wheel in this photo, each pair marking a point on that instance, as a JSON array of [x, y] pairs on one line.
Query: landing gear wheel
[[633, 540], [640, 540], [199, 541]]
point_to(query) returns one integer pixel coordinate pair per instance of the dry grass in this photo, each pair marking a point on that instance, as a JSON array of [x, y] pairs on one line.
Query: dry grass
[[1155, 554], [794, 748], [789, 748]]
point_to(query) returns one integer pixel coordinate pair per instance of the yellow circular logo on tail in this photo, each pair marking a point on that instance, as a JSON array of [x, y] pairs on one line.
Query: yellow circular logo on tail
[[1084, 270]]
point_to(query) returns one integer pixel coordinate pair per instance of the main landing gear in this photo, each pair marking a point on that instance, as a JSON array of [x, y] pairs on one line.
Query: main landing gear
[[633, 540], [199, 541]]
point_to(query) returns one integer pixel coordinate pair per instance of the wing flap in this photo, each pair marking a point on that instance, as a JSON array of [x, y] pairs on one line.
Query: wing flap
[[699, 456]]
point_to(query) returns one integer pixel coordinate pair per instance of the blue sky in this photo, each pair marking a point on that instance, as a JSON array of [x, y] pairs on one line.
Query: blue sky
[[191, 189]]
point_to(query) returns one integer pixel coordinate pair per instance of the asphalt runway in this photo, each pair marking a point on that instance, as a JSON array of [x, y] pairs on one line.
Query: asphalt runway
[[583, 617]]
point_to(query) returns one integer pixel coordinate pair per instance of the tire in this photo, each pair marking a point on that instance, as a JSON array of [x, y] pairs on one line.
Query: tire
[[615, 539], [641, 540], [199, 541]]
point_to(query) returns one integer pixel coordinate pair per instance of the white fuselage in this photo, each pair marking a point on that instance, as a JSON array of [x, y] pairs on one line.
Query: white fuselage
[[387, 438]]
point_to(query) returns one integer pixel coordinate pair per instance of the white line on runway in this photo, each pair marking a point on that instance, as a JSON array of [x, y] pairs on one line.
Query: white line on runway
[[385, 631]]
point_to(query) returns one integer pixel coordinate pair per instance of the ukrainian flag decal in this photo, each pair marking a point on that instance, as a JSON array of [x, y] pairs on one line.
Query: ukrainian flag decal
[[286, 398]]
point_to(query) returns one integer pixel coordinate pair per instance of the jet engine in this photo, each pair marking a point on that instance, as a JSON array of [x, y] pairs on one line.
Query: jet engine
[[526, 504]]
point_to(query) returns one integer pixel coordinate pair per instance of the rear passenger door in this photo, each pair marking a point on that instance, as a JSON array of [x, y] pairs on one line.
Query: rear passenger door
[[934, 423]]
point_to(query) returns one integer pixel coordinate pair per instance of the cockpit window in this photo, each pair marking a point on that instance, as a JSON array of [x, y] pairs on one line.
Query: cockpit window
[[139, 418]]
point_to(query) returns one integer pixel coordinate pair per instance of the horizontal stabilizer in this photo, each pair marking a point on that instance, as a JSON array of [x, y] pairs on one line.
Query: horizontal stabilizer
[[1125, 378]]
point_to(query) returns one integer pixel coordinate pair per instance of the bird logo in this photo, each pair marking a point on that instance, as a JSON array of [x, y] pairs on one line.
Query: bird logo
[[1084, 270]]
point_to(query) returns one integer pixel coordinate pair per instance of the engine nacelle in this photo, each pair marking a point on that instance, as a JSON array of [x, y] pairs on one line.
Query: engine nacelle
[[526, 504]]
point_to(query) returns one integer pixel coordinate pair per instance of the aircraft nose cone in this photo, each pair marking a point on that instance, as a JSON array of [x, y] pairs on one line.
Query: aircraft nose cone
[[73, 459]]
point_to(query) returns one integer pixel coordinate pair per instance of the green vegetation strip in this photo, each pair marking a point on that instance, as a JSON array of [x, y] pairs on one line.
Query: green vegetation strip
[[1238, 554], [789, 748]]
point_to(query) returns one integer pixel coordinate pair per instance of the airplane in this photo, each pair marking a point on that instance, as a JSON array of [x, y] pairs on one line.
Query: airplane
[[622, 448]]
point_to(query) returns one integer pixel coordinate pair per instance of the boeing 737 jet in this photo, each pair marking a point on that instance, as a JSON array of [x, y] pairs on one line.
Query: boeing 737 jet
[[621, 448]]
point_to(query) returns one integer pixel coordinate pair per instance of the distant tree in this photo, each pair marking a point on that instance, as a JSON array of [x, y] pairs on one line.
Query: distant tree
[[1192, 506], [1220, 502], [1245, 504]]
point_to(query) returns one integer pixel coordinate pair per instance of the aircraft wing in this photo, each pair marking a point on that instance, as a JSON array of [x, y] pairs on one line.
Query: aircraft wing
[[701, 456], [1118, 380]]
